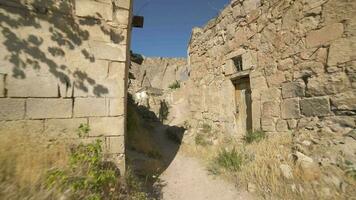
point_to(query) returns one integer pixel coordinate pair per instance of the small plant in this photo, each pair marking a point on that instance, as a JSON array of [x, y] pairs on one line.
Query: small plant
[[174, 85], [230, 160], [83, 130], [163, 111], [254, 136], [206, 128], [87, 175], [200, 139]]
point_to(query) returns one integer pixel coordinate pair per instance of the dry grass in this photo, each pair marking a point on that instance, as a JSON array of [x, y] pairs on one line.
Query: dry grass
[[262, 169], [25, 160]]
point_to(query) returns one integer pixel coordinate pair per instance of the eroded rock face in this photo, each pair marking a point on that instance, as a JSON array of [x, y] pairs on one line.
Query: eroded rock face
[[158, 82]]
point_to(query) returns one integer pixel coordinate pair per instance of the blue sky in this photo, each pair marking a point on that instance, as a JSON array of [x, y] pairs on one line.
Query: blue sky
[[168, 24]]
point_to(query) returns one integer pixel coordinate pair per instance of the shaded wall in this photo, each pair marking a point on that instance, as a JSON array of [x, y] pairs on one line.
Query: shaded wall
[[65, 63], [299, 55]]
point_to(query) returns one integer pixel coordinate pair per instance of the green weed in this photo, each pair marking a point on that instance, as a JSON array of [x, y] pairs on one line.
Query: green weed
[[230, 160], [254, 136]]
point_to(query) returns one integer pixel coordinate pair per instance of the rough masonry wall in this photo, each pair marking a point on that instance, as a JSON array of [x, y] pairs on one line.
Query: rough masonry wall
[[300, 57], [62, 64]]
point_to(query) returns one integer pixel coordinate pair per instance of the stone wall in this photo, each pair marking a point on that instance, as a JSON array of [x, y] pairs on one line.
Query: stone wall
[[65, 63], [300, 59]]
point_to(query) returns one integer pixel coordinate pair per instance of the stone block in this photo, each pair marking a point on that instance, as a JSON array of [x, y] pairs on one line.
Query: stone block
[[96, 30], [344, 101], [90, 107], [285, 64], [341, 51], [12, 109], [115, 145], [119, 36], [324, 35], [270, 94], [256, 115], [328, 84], [107, 126], [22, 127], [250, 5], [117, 70], [108, 51], [116, 106], [63, 127], [2, 85], [34, 86], [290, 109], [270, 109], [48, 108], [258, 82], [91, 8], [293, 89], [317, 106], [229, 67], [282, 125], [268, 124], [292, 123], [275, 80], [121, 16], [123, 4]]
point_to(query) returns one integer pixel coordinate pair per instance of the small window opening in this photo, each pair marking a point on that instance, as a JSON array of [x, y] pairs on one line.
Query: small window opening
[[238, 62]]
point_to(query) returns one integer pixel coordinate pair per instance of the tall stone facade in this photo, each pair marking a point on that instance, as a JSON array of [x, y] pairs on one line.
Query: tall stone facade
[[299, 57], [63, 64]]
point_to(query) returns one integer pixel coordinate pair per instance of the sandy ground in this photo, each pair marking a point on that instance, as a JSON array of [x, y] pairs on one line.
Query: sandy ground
[[187, 179]]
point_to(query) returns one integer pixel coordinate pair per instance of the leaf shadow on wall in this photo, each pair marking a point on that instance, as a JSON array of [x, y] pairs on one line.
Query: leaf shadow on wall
[[43, 38]]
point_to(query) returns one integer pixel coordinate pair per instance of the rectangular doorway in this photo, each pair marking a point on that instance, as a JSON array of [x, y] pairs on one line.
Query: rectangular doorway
[[243, 105]]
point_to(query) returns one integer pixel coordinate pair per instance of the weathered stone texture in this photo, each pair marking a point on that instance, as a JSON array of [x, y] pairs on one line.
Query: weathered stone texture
[[116, 106], [318, 106], [22, 127], [290, 109], [325, 34], [108, 51], [271, 109], [115, 145], [341, 51], [304, 50], [90, 107], [293, 89], [32, 87], [107, 126], [63, 127], [12, 109], [91, 8], [48, 108]]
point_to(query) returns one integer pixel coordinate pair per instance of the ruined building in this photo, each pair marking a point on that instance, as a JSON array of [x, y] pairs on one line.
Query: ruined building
[[63, 64], [276, 66]]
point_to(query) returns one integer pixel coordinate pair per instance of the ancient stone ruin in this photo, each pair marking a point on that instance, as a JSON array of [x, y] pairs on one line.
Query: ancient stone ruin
[[63, 64], [276, 66]]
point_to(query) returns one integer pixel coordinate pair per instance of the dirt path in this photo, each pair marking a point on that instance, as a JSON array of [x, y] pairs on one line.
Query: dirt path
[[187, 179]]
